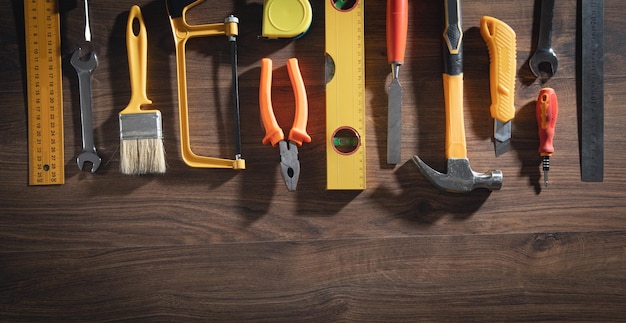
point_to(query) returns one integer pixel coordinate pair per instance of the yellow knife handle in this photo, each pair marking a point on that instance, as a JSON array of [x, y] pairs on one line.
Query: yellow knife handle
[[501, 42]]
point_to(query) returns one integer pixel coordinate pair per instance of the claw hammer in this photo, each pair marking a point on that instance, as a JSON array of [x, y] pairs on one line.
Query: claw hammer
[[460, 176]]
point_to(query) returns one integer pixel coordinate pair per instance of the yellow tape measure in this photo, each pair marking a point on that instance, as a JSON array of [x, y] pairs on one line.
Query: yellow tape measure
[[45, 93], [345, 95]]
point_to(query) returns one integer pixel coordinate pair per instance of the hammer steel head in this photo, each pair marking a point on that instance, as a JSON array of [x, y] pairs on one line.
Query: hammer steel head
[[460, 177]]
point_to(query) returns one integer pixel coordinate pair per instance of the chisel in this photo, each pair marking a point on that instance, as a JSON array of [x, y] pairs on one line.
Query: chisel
[[397, 25]]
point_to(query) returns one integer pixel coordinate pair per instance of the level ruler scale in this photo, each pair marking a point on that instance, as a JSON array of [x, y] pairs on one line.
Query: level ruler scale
[[45, 95], [345, 95]]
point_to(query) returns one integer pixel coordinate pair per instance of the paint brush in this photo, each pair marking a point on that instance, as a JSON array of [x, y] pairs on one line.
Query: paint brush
[[141, 135]]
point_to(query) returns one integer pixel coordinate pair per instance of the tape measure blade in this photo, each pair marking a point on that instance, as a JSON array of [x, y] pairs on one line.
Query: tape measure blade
[[44, 93]]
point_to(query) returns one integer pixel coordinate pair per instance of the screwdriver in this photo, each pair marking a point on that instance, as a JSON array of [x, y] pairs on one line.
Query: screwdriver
[[547, 109], [397, 25]]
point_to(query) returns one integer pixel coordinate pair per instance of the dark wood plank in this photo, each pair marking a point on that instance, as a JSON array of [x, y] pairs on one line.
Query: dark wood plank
[[525, 277]]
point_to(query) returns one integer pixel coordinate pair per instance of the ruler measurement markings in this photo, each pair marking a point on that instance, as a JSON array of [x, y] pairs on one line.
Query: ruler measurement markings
[[45, 119], [345, 97], [592, 154]]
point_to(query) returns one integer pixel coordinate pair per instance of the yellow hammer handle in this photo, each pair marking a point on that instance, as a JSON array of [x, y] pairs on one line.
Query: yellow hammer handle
[[455, 127], [453, 80]]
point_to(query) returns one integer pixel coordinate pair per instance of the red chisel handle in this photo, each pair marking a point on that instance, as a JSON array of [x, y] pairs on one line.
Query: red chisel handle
[[547, 109], [397, 25]]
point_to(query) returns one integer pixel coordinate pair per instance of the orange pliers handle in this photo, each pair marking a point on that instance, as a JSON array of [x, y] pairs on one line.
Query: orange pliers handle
[[273, 133]]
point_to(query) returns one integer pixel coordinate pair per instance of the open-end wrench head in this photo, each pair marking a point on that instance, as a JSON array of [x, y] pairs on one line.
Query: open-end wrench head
[[89, 156], [460, 177], [87, 65], [544, 60]]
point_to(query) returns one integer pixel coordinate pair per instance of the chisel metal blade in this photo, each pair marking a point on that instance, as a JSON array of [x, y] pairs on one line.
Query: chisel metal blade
[[502, 136], [394, 125], [397, 21]]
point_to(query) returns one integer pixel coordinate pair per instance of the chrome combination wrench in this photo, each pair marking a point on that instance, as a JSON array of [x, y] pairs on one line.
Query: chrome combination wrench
[[84, 68], [545, 60]]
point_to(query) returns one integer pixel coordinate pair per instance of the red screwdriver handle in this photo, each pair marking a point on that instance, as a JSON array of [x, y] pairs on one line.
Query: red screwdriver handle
[[547, 109], [397, 25]]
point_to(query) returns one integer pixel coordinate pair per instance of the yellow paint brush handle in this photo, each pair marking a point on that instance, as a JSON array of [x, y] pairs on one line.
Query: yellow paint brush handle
[[137, 48], [500, 40]]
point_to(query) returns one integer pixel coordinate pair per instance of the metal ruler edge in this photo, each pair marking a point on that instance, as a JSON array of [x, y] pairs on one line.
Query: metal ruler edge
[[592, 84], [44, 92], [345, 94]]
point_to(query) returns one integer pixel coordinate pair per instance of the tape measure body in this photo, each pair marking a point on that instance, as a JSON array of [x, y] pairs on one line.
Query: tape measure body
[[345, 97], [45, 93]]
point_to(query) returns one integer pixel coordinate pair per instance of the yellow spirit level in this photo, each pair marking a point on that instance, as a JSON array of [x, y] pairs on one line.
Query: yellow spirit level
[[345, 95]]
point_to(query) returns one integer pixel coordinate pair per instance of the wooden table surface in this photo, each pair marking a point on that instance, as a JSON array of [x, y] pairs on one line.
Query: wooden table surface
[[211, 244]]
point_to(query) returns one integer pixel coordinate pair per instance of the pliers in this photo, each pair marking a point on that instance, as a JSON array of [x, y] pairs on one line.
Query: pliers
[[289, 163]]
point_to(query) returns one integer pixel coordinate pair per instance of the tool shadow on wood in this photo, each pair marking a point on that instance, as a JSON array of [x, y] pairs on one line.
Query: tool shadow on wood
[[476, 77], [428, 204], [525, 146], [426, 84]]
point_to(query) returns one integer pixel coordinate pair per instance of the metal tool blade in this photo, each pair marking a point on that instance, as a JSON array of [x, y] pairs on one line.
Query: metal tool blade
[[235, 90], [394, 120], [87, 24], [502, 136], [592, 83]]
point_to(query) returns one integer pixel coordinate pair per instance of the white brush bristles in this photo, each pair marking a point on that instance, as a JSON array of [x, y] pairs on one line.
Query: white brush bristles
[[142, 156]]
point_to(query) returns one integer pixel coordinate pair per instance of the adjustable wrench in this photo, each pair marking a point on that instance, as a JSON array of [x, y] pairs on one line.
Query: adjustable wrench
[[84, 68], [544, 59]]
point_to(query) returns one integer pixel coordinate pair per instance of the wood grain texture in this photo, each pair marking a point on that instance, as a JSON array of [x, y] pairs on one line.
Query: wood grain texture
[[201, 244], [528, 277]]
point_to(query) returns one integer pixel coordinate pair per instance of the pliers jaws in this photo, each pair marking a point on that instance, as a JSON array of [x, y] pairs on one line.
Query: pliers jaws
[[289, 163]]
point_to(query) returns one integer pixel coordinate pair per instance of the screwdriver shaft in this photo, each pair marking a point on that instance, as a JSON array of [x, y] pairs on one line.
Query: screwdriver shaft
[[87, 24]]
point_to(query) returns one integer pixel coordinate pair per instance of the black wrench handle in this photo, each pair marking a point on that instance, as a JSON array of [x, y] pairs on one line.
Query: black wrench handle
[[545, 25]]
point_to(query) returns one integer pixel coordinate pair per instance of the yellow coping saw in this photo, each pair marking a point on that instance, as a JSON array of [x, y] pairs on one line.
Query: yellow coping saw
[[182, 32]]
